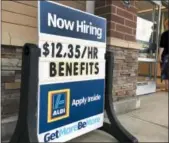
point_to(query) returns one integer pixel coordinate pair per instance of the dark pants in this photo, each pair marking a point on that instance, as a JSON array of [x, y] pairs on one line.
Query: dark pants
[[164, 68]]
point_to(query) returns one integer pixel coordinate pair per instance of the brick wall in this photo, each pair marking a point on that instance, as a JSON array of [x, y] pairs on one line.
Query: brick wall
[[121, 21], [10, 79], [124, 73], [121, 24]]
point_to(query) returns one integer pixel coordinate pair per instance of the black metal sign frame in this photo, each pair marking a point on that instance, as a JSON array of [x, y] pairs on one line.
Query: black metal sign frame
[[26, 128]]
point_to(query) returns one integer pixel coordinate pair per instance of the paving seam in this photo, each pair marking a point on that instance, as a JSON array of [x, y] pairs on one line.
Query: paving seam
[[134, 116]]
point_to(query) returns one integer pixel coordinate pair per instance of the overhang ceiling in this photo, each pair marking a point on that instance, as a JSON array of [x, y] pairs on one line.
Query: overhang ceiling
[[145, 6]]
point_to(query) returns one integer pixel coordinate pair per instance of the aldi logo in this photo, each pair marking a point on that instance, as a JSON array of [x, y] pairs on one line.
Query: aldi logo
[[58, 105]]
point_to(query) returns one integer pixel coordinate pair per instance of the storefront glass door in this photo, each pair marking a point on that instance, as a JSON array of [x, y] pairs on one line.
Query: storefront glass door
[[147, 33]]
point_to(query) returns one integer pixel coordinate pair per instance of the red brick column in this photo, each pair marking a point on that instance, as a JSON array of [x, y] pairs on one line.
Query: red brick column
[[121, 32], [121, 20]]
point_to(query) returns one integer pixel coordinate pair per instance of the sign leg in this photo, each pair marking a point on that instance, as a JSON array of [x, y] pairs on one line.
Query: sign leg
[[25, 131]]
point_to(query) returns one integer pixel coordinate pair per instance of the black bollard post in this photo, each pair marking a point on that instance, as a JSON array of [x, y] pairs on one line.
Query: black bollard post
[[114, 128], [25, 131]]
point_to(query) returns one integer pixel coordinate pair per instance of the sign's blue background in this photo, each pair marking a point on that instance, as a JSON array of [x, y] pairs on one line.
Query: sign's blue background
[[69, 14], [77, 90]]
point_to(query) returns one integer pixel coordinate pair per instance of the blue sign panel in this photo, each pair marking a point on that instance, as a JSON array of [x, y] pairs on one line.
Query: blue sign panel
[[64, 21], [69, 102]]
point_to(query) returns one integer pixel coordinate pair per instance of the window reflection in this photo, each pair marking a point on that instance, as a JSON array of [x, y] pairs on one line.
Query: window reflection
[[148, 35]]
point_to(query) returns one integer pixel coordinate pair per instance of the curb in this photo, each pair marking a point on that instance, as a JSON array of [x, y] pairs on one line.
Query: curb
[[128, 105]]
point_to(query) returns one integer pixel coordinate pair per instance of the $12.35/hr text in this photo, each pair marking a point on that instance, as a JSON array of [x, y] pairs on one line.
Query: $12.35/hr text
[[60, 50]]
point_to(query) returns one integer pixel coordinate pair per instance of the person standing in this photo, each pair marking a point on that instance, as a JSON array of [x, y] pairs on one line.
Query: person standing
[[164, 51]]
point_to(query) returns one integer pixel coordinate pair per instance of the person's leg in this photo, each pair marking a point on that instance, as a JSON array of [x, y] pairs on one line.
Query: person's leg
[[166, 85]]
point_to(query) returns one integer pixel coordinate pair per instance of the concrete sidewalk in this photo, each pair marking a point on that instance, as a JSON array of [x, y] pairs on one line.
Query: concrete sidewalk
[[148, 124]]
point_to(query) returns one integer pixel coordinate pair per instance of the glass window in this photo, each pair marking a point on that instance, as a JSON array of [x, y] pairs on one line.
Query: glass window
[[147, 24], [147, 34]]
